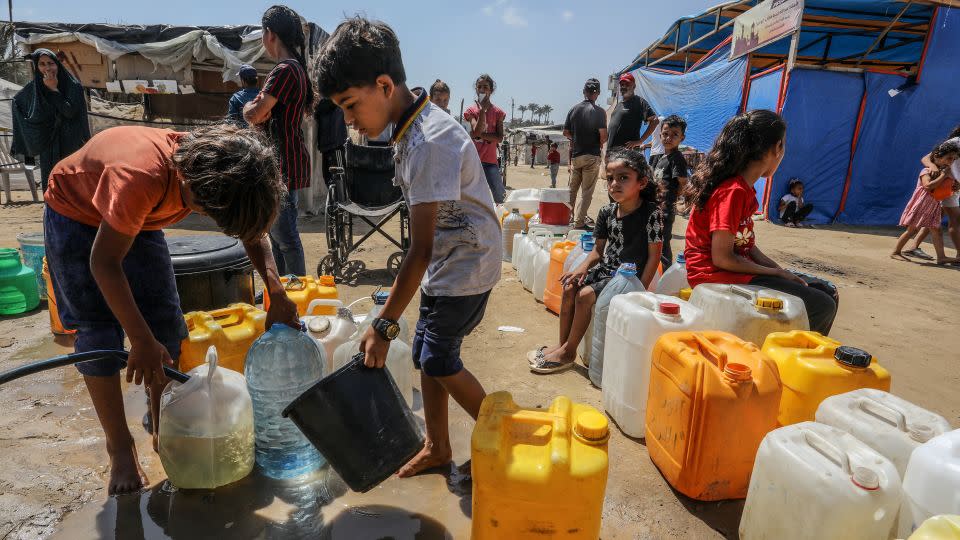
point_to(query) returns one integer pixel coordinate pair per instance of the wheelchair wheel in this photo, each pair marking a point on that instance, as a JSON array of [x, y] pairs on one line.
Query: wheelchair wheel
[[394, 262], [329, 266]]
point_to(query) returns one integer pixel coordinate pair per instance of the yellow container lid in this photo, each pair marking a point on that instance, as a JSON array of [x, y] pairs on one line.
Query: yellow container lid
[[766, 302], [592, 427], [685, 293]]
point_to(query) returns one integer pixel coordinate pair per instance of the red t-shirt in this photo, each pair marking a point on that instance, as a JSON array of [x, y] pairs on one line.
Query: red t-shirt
[[553, 156], [730, 208], [487, 150]]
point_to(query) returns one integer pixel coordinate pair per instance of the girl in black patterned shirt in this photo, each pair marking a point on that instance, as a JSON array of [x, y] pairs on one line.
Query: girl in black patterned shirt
[[628, 230]]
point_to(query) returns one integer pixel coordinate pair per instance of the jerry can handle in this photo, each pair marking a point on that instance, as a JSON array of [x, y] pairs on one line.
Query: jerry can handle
[[884, 412], [743, 291], [322, 302], [708, 349], [211, 360], [828, 450], [294, 283], [233, 310]]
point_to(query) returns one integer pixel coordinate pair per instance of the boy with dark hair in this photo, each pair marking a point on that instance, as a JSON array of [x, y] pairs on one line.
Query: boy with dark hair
[[112, 275], [455, 233], [248, 91], [671, 172]]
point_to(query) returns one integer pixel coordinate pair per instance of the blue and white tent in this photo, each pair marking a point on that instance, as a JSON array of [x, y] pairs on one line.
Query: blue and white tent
[[871, 90]]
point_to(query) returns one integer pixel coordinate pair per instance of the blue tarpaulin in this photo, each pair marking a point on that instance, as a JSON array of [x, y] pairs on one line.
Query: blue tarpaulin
[[897, 130], [705, 111], [821, 110], [764, 94]]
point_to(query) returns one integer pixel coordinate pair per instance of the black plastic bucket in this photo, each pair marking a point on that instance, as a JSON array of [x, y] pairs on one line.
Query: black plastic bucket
[[212, 272], [358, 420]]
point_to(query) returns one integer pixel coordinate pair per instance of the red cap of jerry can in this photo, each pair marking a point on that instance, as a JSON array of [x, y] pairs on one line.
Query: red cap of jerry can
[[669, 308]]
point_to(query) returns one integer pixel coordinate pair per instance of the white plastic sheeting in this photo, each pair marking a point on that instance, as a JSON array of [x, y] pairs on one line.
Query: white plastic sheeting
[[177, 53]]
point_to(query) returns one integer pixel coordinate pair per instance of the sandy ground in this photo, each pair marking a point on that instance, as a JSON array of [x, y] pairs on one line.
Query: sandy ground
[[53, 470]]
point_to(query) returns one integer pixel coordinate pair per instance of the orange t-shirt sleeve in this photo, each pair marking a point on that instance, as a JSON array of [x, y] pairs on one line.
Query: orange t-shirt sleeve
[[125, 197]]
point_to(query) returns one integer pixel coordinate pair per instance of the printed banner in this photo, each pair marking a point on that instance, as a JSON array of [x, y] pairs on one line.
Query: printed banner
[[764, 24]]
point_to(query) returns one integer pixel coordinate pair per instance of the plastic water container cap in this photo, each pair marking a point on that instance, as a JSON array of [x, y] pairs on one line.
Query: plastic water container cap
[[515, 211], [669, 308], [380, 297], [685, 293], [738, 372], [865, 478], [766, 302], [627, 269], [853, 357], [589, 245], [319, 324], [327, 281], [592, 427], [921, 433], [681, 258]]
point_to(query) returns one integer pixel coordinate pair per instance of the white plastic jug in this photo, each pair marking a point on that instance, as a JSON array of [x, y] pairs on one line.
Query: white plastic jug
[[528, 264], [526, 201], [932, 484], [748, 311], [379, 300], [635, 321], [518, 240], [813, 481], [624, 281], [206, 428], [399, 364], [892, 426], [541, 265], [512, 225], [578, 253], [675, 278], [329, 332]]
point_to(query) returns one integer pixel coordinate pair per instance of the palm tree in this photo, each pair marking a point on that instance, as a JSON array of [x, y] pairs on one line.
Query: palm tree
[[546, 111], [532, 107], [522, 109]]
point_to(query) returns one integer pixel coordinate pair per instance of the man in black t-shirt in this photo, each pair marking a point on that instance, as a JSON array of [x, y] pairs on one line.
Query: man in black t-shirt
[[629, 116], [671, 172], [586, 126]]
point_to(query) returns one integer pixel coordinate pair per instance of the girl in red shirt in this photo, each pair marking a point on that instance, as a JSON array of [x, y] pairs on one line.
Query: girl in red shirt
[[721, 246], [553, 157]]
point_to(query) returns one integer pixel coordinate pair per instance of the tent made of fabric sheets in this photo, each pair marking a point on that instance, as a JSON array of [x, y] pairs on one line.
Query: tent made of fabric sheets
[[869, 94]]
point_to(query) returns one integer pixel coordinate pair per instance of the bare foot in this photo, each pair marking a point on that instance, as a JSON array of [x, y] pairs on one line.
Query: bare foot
[[156, 442], [126, 476], [428, 458]]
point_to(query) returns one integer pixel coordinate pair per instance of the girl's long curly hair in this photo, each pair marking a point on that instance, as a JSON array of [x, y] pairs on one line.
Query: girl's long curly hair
[[746, 138], [653, 192]]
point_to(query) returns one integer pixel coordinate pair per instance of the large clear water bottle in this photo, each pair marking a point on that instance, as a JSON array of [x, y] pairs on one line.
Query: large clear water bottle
[[513, 224], [675, 278], [281, 365], [624, 281]]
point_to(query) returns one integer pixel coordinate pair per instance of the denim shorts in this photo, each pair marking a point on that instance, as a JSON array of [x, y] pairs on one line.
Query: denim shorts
[[82, 306], [444, 322]]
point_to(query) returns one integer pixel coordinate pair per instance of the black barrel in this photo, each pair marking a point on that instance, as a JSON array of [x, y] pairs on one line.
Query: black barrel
[[358, 420], [212, 271]]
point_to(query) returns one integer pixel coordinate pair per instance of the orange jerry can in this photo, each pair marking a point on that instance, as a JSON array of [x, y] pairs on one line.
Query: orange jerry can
[[231, 330], [56, 326], [305, 289], [553, 294], [713, 397]]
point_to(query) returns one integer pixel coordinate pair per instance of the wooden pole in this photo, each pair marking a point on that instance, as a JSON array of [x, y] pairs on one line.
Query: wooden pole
[[884, 33], [792, 57]]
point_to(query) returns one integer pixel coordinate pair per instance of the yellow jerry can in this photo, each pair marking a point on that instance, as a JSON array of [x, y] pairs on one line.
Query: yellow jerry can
[[814, 367], [538, 473], [231, 330], [305, 289]]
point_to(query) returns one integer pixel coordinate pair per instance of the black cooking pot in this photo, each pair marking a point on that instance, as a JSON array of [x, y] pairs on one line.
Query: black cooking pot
[[212, 272]]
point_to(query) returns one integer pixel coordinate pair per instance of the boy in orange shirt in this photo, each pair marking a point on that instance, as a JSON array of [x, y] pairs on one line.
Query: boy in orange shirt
[[111, 269]]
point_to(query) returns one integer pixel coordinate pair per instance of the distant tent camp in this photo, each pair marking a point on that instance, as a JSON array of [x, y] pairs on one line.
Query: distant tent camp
[[185, 74], [866, 88]]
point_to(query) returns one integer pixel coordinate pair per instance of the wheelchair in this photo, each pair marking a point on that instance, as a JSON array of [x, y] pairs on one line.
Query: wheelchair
[[361, 190]]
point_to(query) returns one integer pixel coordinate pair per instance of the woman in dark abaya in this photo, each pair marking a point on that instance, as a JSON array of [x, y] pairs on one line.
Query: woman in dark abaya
[[49, 114]]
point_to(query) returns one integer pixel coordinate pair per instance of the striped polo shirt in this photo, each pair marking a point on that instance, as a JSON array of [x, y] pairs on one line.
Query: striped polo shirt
[[288, 84]]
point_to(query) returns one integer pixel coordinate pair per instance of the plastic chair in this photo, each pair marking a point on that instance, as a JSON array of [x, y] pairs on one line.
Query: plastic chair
[[9, 164]]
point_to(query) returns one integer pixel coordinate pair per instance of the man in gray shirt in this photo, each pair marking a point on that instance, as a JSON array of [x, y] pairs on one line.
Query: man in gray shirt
[[586, 126]]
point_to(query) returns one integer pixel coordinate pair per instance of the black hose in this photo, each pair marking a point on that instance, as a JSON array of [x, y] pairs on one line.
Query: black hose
[[70, 359]]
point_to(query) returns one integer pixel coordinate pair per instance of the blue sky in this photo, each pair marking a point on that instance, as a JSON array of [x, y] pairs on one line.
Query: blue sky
[[537, 51]]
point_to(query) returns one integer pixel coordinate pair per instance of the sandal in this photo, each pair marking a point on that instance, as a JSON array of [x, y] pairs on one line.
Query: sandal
[[535, 356], [546, 367], [919, 254]]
